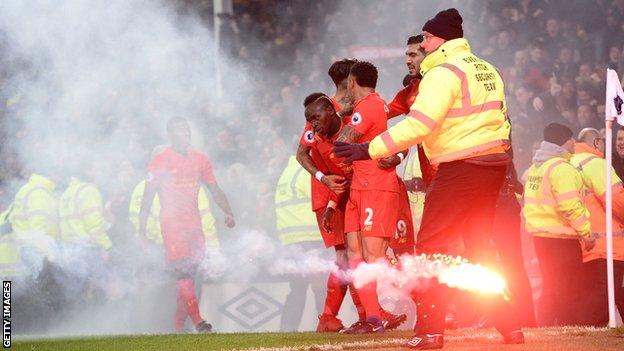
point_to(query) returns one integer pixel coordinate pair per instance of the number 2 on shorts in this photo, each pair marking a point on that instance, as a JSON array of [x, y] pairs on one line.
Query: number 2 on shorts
[[369, 216]]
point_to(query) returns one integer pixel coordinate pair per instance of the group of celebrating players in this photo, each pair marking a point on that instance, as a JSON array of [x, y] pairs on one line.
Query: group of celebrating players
[[361, 207]]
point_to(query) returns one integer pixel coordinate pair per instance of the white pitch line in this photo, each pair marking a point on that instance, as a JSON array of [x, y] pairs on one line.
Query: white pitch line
[[400, 342]]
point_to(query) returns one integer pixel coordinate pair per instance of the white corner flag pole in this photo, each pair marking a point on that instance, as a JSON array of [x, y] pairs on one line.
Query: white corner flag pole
[[614, 92], [609, 219]]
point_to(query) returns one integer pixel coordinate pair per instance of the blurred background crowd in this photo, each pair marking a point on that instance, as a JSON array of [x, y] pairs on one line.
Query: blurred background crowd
[[553, 59]]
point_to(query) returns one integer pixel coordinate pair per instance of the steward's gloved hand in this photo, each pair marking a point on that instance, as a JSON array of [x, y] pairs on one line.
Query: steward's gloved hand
[[415, 184], [351, 152]]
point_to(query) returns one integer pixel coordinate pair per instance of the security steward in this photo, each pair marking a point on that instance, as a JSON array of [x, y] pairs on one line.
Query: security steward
[[589, 160], [299, 234], [556, 216], [460, 117]]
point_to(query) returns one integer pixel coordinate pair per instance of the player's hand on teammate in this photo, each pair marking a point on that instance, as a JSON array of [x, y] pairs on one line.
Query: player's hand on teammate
[[389, 162], [351, 152], [335, 183], [327, 219], [415, 184], [589, 241], [229, 221]]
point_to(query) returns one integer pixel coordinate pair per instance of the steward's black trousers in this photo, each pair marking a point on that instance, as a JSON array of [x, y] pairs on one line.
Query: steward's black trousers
[[596, 309], [460, 205]]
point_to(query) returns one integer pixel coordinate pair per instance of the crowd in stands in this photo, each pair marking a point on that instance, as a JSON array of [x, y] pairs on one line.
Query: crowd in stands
[[552, 57]]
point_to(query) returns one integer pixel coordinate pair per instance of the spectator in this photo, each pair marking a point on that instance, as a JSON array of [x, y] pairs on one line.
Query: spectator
[[539, 71], [564, 65], [587, 118], [618, 153], [615, 55]]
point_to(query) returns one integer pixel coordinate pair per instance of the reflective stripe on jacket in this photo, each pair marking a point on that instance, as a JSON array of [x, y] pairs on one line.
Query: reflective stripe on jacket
[[592, 170], [81, 212], [295, 222], [459, 113], [34, 215], [553, 206]]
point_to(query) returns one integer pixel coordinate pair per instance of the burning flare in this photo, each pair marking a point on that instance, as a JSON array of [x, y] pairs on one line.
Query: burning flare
[[412, 272]]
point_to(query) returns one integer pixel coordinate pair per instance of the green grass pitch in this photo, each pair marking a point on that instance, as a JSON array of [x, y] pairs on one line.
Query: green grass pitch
[[557, 339]]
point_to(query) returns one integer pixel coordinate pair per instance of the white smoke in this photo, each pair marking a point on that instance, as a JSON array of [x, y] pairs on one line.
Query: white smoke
[[100, 79], [93, 85], [415, 272]]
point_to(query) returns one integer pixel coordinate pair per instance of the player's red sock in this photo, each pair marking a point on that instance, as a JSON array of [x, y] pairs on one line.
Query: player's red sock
[[367, 293], [180, 316], [186, 292], [357, 303], [370, 301], [336, 291]]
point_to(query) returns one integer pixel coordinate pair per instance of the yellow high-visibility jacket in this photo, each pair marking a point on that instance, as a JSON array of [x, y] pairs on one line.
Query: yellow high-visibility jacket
[[591, 166], [81, 211], [34, 215], [459, 113], [10, 259], [295, 222], [153, 221], [553, 207]]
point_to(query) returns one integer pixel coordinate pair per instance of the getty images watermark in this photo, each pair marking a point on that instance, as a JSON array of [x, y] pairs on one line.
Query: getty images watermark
[[6, 314]]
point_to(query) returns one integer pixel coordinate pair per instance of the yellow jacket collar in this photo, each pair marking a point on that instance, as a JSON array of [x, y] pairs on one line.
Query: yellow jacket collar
[[41, 180], [441, 55], [584, 147]]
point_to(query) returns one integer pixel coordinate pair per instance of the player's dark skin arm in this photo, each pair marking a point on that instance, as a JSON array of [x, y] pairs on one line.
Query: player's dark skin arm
[[305, 160], [334, 182], [146, 205], [223, 203]]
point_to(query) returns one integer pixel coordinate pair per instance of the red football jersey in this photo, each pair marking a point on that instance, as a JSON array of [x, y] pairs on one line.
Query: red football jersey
[[177, 178], [370, 119], [404, 99], [401, 105], [320, 193]]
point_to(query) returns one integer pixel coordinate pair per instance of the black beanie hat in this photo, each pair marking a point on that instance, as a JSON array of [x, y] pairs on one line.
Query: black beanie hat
[[446, 24], [557, 133]]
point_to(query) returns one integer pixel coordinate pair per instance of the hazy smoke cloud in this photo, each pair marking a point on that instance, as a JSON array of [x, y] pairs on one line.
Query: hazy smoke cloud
[[97, 80]]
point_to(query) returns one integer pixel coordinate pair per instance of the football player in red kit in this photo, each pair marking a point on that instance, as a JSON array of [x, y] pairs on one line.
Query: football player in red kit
[[176, 174], [324, 190], [326, 123], [404, 99], [371, 215]]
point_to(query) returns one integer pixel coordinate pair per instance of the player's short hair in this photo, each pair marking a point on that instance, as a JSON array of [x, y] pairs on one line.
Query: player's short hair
[[175, 120], [557, 133], [365, 74], [415, 39], [587, 135], [339, 70], [317, 97]]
